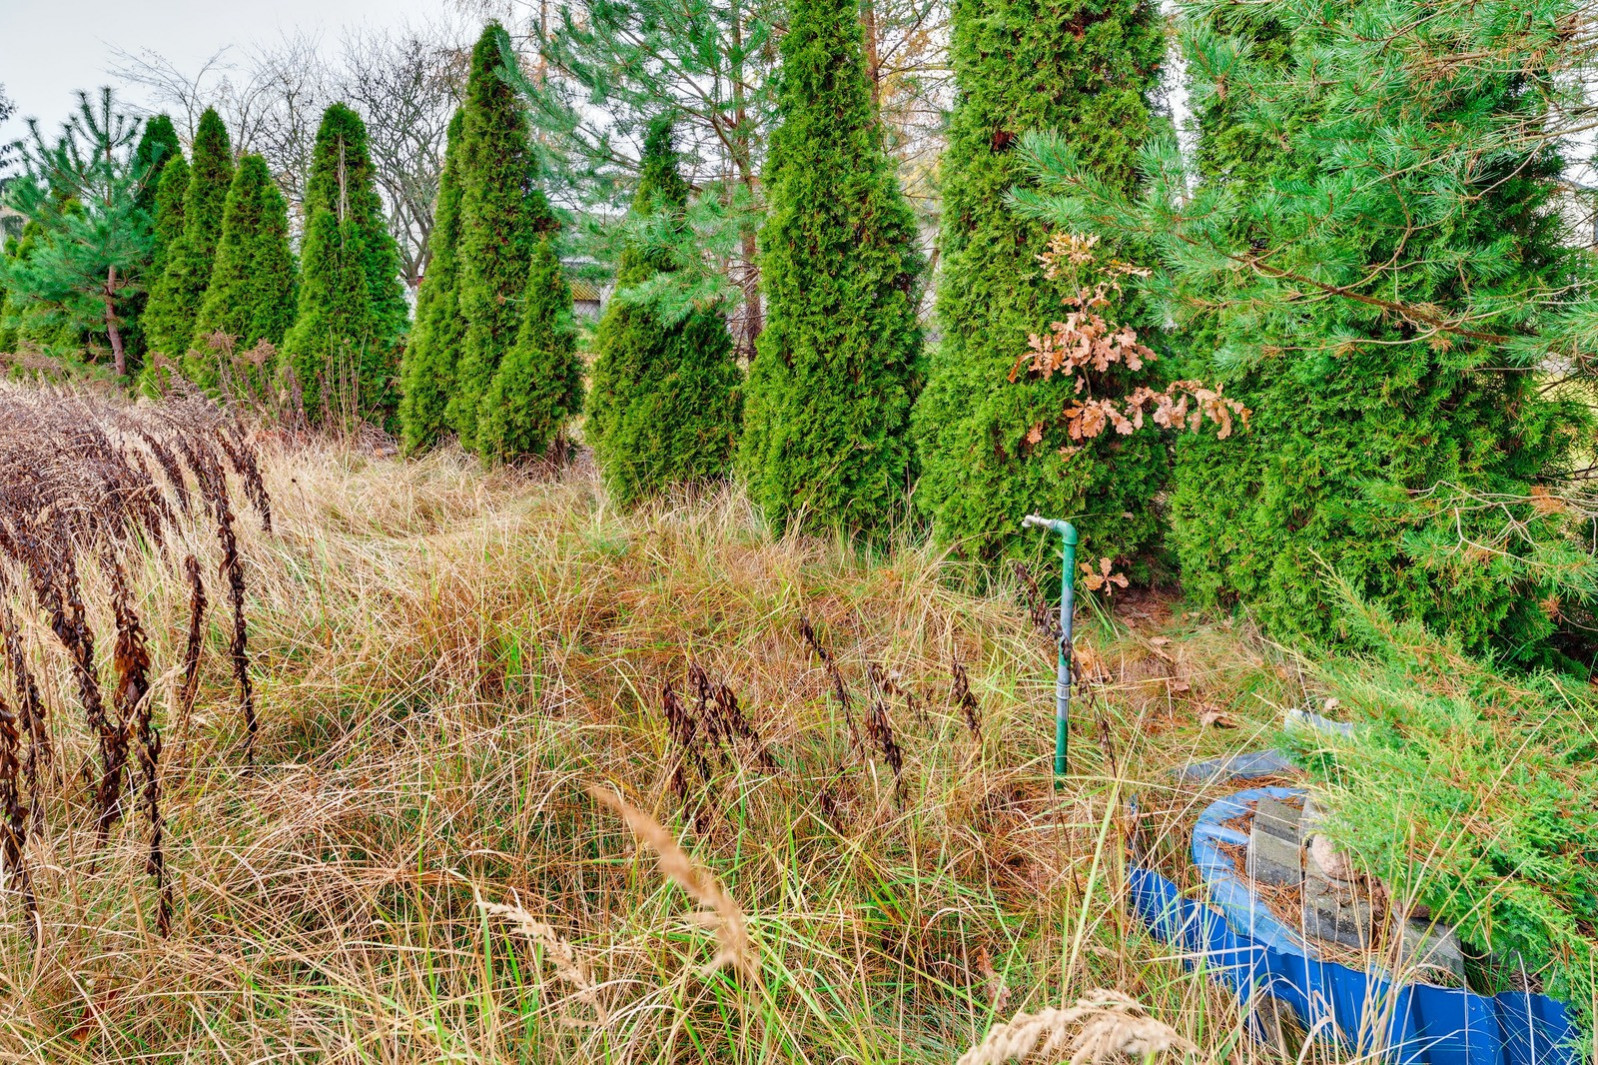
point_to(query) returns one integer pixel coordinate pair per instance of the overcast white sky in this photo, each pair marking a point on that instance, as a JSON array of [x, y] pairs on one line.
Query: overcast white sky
[[49, 48]]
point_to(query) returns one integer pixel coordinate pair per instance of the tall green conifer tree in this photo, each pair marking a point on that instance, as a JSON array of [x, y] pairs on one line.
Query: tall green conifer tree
[[1370, 262], [176, 296], [991, 449], [500, 214], [158, 148], [251, 295], [365, 347], [538, 385], [837, 368], [428, 375], [167, 215], [328, 350], [664, 406]]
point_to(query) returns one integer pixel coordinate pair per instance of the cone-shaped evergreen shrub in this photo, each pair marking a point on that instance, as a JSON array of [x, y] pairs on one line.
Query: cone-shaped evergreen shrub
[[8, 328], [664, 403], [1085, 68], [158, 146], [428, 375], [176, 297], [329, 350], [251, 295], [342, 183], [837, 367], [539, 383], [167, 216], [500, 218]]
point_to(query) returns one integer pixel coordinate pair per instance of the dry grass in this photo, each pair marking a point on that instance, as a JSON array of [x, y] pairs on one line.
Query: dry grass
[[443, 660]]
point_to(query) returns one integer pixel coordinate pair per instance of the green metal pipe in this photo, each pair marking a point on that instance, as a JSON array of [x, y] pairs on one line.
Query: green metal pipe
[[1062, 681]]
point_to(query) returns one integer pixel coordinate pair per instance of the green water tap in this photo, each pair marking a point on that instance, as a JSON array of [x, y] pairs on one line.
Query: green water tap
[[1062, 681]]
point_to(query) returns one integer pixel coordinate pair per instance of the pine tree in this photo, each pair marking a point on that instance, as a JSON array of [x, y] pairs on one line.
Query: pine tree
[[82, 194], [343, 182], [837, 369], [664, 406], [539, 383], [428, 373], [1373, 288], [176, 297], [329, 349], [499, 219], [993, 450], [251, 294]]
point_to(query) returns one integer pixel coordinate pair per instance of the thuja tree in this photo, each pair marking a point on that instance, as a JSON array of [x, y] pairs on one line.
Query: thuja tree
[[8, 312], [500, 214], [538, 385], [327, 354], [327, 346], [428, 373], [175, 296], [166, 218], [158, 148], [251, 295], [995, 446], [1377, 295], [81, 195], [664, 406], [829, 395]]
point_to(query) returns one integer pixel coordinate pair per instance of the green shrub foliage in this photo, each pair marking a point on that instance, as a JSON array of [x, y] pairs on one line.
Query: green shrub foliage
[[428, 374], [329, 351], [176, 296], [251, 295], [1372, 430], [8, 310], [1086, 69], [501, 215], [158, 148], [664, 402], [538, 385], [167, 216], [1468, 791], [838, 365], [365, 347]]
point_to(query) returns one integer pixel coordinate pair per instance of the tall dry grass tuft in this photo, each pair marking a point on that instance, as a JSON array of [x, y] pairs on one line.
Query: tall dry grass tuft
[[721, 914], [562, 955], [1101, 1026], [439, 651]]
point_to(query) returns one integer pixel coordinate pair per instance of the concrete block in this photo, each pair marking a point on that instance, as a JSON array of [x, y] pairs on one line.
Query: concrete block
[[1433, 952], [1273, 859], [1277, 818]]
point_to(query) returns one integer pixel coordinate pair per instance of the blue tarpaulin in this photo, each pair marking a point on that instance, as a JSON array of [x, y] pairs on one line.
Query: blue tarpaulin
[[1241, 944]]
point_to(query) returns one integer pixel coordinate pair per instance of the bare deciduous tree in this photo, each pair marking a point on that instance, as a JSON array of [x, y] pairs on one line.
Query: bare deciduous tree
[[405, 83]]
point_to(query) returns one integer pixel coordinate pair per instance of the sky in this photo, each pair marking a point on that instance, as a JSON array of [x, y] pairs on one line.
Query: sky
[[49, 48]]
